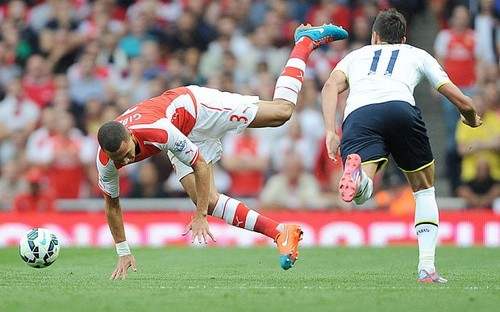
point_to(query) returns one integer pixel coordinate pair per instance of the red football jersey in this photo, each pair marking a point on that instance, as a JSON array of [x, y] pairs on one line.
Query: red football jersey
[[159, 124]]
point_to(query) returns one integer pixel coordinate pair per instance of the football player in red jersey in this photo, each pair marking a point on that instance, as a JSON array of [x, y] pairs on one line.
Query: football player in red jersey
[[188, 123]]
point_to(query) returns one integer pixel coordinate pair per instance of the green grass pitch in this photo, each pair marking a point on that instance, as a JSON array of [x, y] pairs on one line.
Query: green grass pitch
[[218, 279]]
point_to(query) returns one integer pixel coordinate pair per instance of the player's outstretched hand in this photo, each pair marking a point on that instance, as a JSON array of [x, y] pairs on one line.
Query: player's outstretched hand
[[124, 263], [332, 145], [472, 123], [200, 229]]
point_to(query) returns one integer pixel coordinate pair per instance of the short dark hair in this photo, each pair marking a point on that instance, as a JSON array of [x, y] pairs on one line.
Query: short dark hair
[[390, 25], [111, 135]]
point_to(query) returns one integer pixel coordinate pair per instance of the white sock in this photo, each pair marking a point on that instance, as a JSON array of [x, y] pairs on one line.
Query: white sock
[[290, 82], [426, 227], [365, 191]]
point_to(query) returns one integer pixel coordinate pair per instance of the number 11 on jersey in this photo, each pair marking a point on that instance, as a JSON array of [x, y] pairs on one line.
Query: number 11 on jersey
[[390, 66]]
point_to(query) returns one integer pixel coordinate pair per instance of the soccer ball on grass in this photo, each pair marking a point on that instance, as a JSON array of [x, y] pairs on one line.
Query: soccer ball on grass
[[39, 248]]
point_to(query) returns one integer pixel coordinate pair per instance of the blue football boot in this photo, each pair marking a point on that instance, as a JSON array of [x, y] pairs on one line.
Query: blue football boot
[[320, 35]]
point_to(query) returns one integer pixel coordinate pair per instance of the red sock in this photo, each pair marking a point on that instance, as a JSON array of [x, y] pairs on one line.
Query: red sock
[[236, 213], [302, 49], [290, 82]]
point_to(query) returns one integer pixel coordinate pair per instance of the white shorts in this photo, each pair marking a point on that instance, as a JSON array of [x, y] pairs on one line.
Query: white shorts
[[218, 113]]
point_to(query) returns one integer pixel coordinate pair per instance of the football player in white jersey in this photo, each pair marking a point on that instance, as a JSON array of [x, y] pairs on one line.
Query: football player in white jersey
[[381, 118]]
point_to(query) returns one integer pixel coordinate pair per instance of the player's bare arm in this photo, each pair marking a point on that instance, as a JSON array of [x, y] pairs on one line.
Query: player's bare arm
[[115, 222], [463, 103], [336, 83], [199, 223]]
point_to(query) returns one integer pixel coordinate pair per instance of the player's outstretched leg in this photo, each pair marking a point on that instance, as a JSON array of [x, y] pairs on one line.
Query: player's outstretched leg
[[286, 236], [307, 38], [355, 182], [234, 212]]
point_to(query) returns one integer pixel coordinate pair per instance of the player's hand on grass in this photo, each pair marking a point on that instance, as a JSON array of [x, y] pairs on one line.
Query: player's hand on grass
[[199, 228], [332, 145], [124, 263], [472, 123]]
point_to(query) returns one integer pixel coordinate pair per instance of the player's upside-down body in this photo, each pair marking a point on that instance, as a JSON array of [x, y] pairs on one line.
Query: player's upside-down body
[[188, 123]]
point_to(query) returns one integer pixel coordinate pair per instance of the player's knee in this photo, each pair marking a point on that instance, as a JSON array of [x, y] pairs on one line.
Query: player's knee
[[421, 184], [284, 111]]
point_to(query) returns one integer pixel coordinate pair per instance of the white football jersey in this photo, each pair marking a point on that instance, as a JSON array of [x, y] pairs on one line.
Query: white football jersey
[[387, 72]]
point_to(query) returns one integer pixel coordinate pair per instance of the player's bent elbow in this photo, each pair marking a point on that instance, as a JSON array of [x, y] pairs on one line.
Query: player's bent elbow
[[329, 86]]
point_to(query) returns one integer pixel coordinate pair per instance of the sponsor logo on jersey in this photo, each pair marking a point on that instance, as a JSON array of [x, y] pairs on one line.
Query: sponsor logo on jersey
[[180, 145]]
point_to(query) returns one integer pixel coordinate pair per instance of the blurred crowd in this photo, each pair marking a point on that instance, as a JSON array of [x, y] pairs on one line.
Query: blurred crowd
[[68, 66]]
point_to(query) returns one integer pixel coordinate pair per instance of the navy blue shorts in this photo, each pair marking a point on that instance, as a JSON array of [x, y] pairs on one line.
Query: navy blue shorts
[[395, 127]]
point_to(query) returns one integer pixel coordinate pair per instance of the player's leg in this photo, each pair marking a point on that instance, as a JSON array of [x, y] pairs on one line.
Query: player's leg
[[363, 152], [277, 112], [232, 210], [411, 150], [236, 213], [426, 222]]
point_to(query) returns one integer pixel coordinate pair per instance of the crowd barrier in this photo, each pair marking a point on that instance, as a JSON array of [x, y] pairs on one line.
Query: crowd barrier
[[359, 228]]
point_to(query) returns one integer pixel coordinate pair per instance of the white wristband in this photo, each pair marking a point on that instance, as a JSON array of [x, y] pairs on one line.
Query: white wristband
[[122, 249]]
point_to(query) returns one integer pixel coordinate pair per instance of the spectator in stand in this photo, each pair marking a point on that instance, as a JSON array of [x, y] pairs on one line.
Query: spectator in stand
[[148, 184], [60, 48], [131, 43], [487, 34], [8, 68], [37, 82], [132, 82], [487, 30], [455, 49], [85, 81], [292, 188], [18, 118], [109, 53], [37, 198], [309, 116], [482, 190], [482, 142], [11, 183], [361, 30], [18, 33], [38, 143], [330, 11], [65, 153], [261, 49], [294, 143], [153, 63], [190, 31], [100, 21], [246, 159]]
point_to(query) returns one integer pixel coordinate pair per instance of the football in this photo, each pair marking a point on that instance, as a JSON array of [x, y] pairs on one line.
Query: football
[[39, 248]]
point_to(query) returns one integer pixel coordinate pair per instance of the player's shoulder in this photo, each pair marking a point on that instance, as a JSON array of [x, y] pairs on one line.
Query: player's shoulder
[[102, 158], [422, 54]]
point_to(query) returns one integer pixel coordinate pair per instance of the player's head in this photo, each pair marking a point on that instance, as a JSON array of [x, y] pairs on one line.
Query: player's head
[[389, 27], [116, 142]]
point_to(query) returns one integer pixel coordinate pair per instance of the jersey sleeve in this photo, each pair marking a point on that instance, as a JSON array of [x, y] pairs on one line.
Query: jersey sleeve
[[108, 179], [433, 71], [179, 145]]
